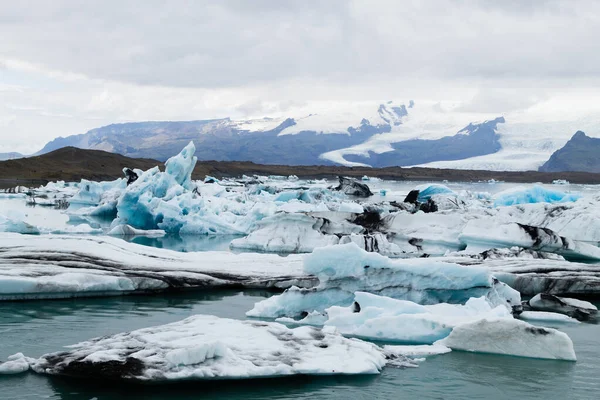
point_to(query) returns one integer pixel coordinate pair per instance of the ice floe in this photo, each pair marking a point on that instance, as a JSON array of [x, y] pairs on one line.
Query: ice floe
[[382, 318], [511, 337], [343, 270], [533, 194], [75, 266], [205, 347]]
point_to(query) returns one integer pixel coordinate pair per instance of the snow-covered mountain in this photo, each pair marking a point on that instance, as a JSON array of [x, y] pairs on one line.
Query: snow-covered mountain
[[444, 135]]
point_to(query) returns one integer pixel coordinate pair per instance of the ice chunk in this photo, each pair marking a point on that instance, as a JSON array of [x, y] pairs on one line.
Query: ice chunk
[[428, 190], [544, 316], [17, 225], [287, 233], [534, 194], [433, 233], [345, 269], [478, 235], [347, 206], [416, 350], [511, 337], [206, 347], [377, 243], [533, 276], [579, 309], [353, 188], [16, 364], [69, 266], [382, 318], [127, 230], [182, 165]]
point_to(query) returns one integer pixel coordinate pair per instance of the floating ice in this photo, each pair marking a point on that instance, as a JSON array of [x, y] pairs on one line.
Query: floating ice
[[511, 337], [16, 364], [579, 309], [127, 230], [17, 225], [382, 318], [427, 191], [182, 165], [287, 233], [205, 347], [546, 317], [478, 235], [534, 194], [345, 269], [416, 350], [75, 266]]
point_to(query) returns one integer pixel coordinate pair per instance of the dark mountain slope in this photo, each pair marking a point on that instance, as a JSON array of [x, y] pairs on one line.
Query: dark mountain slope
[[70, 163], [73, 164], [580, 153]]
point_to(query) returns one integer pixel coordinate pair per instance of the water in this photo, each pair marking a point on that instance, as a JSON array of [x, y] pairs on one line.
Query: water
[[37, 327]]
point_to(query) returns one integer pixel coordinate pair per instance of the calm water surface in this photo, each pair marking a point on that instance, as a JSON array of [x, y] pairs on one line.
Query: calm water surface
[[38, 327]]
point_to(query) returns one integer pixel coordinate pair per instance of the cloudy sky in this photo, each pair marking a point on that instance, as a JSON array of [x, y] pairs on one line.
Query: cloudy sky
[[69, 66]]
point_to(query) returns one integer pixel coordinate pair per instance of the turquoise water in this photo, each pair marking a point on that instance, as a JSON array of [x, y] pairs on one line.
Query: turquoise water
[[38, 327]]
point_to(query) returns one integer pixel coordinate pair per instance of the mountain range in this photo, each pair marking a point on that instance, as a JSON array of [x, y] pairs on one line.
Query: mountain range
[[369, 134]]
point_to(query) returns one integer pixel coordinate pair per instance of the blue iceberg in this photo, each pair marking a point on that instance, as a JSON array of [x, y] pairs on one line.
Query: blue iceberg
[[534, 194]]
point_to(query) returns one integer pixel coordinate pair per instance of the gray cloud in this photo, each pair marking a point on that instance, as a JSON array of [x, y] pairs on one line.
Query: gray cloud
[[68, 66], [233, 43]]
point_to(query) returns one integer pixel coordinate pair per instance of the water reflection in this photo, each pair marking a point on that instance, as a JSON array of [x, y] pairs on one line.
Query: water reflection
[[297, 387]]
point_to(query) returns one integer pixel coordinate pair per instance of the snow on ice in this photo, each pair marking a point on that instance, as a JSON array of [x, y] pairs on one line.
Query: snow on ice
[[206, 347]]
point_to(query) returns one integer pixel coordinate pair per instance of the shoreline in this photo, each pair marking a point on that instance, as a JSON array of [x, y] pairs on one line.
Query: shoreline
[[72, 164]]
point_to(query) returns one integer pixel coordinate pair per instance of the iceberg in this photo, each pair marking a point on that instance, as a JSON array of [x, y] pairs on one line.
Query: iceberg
[[424, 350], [546, 317], [578, 309], [427, 191], [510, 337], [532, 276], [351, 187], [18, 225], [127, 231], [16, 364], [204, 347], [534, 194], [345, 269], [479, 236], [287, 233], [182, 165], [58, 266], [380, 318]]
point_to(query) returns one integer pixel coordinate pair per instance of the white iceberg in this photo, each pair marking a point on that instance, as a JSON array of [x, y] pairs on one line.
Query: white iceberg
[[73, 266], [205, 347], [127, 230], [16, 364], [479, 236], [511, 337], [380, 318]]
